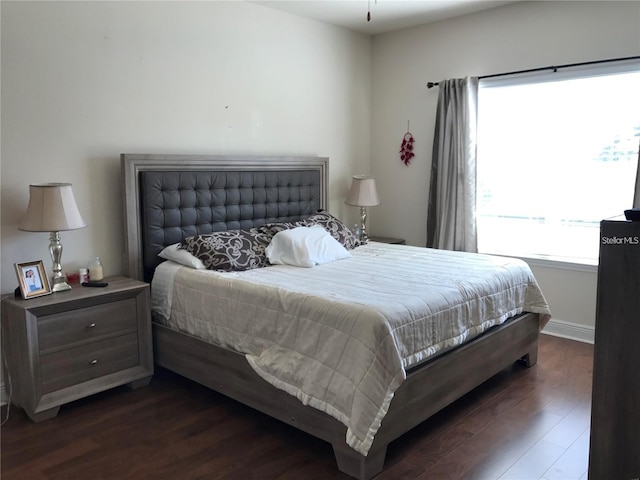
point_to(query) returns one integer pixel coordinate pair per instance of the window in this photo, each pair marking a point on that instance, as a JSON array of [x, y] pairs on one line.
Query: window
[[557, 153]]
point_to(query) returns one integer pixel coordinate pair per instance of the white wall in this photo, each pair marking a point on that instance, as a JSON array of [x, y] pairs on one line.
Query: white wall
[[513, 37], [83, 82]]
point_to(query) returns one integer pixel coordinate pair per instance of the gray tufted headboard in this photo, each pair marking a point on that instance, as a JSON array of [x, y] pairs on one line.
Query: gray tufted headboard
[[171, 197]]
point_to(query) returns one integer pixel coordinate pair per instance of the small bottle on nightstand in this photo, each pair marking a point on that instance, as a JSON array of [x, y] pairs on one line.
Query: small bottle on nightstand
[[95, 270]]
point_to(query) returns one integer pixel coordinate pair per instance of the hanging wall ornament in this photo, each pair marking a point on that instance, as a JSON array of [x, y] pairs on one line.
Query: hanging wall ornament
[[406, 149]]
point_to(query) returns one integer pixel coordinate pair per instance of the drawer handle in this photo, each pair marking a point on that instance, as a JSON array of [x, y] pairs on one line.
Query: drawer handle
[[93, 362], [91, 325]]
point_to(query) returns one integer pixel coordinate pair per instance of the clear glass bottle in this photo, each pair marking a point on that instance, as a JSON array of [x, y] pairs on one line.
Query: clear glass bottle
[[356, 231], [95, 270]]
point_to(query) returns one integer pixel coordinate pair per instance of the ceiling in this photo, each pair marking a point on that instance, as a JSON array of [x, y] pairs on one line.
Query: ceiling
[[386, 15]]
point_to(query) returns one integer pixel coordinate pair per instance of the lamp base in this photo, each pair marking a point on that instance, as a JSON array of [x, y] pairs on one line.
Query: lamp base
[[58, 280], [364, 236], [59, 285]]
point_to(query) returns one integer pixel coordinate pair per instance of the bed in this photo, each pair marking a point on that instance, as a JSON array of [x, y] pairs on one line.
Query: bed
[[170, 198]]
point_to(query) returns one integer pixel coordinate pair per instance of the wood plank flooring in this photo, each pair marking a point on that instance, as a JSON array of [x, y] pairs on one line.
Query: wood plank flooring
[[524, 424]]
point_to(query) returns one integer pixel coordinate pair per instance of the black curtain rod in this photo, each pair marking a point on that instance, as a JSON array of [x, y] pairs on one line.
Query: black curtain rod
[[542, 69]]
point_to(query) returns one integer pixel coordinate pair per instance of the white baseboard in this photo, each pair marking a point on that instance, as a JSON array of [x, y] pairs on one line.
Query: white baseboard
[[572, 331]]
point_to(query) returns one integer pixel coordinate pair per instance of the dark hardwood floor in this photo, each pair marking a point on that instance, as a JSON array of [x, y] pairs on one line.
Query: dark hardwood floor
[[526, 424]]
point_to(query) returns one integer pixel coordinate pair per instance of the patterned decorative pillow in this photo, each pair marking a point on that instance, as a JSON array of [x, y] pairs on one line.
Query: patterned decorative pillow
[[273, 228], [335, 227], [230, 250]]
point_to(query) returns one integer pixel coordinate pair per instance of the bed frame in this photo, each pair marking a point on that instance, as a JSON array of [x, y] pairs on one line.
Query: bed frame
[[259, 190]]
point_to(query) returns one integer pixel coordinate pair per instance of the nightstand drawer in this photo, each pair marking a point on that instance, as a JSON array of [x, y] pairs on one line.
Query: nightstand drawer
[[76, 327], [76, 365]]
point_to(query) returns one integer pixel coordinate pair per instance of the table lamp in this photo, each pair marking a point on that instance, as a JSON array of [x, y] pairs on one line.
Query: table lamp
[[363, 194], [52, 208]]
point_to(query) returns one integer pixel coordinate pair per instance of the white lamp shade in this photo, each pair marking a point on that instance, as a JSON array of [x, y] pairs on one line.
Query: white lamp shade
[[52, 208], [363, 192]]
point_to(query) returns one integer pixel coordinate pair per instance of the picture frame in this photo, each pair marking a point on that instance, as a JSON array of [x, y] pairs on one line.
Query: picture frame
[[33, 279]]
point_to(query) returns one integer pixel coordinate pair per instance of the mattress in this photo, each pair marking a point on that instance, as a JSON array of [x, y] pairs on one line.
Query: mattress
[[341, 336]]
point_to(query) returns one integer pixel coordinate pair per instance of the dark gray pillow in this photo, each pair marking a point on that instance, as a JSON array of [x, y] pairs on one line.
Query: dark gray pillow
[[230, 250]]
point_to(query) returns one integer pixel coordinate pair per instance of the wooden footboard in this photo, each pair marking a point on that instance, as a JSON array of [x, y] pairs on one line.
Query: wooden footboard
[[428, 388]]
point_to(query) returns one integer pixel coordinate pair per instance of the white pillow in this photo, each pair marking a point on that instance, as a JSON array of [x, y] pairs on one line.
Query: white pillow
[[305, 247], [181, 256]]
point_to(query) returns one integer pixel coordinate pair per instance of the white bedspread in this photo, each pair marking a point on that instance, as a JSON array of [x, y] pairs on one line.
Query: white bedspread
[[339, 336]]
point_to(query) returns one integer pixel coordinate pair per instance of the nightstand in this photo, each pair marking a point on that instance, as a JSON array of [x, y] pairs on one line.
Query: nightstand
[[68, 345], [396, 241]]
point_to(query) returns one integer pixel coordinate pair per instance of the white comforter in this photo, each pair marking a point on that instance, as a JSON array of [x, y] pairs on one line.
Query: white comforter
[[339, 336]]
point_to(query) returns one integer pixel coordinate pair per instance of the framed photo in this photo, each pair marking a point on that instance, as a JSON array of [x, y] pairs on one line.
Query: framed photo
[[33, 279]]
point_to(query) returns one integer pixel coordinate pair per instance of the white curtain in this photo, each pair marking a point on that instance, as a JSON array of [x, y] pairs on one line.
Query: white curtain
[[451, 221]]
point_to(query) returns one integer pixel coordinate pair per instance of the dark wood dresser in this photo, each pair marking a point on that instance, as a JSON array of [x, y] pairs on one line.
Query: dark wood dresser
[[615, 417]]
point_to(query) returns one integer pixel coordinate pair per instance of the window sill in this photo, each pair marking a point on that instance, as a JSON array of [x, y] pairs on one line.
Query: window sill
[[561, 265], [556, 263]]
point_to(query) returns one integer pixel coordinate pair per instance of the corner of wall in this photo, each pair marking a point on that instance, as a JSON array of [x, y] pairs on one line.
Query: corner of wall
[[571, 331]]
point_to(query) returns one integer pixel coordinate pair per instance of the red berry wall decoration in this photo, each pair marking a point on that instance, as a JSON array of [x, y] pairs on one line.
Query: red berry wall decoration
[[406, 149]]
